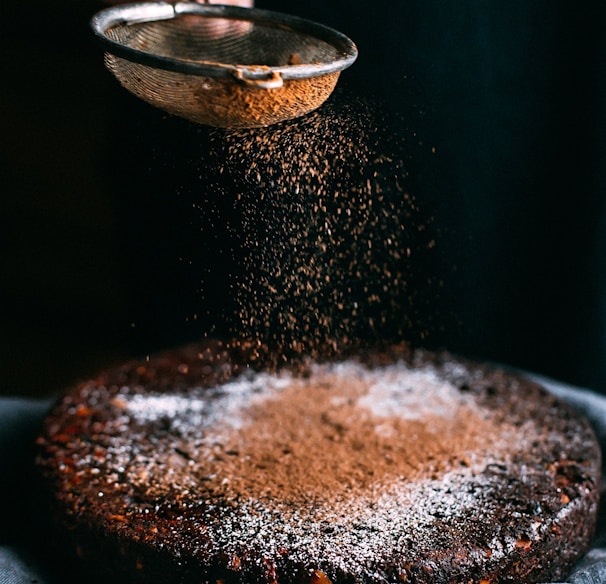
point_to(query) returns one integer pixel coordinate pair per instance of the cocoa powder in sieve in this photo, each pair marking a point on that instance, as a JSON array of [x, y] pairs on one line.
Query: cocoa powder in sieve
[[222, 102], [233, 104]]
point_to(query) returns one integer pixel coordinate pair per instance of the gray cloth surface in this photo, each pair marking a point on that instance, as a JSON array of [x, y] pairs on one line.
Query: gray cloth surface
[[20, 419], [17, 567]]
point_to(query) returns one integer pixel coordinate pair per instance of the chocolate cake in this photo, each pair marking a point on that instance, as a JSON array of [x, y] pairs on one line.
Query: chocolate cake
[[198, 465]]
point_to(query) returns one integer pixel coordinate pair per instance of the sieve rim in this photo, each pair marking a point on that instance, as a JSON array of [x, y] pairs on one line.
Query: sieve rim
[[141, 12]]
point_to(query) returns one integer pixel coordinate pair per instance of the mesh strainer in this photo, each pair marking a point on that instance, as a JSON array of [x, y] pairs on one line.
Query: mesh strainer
[[220, 65]]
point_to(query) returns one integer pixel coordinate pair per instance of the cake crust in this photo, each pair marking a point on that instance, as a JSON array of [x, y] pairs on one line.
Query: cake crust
[[391, 466]]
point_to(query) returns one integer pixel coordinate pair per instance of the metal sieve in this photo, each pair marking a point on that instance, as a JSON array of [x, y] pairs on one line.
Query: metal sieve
[[222, 66]]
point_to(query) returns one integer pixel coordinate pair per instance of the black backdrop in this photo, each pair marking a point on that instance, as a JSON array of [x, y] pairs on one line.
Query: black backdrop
[[511, 95]]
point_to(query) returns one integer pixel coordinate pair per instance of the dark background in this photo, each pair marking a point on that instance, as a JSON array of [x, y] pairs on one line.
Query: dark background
[[511, 95]]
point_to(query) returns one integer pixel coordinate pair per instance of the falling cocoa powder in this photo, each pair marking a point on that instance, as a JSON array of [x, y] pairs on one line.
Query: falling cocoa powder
[[334, 247]]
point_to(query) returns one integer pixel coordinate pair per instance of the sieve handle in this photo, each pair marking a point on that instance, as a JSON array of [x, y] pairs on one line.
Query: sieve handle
[[273, 80]]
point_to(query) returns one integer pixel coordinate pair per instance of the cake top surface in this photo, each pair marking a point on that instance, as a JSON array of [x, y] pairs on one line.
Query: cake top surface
[[369, 468]]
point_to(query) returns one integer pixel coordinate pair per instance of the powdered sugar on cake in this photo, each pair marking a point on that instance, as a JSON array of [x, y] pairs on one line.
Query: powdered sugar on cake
[[394, 391], [343, 430], [223, 404]]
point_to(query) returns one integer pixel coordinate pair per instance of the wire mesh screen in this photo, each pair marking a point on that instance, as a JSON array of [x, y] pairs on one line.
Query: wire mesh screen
[[219, 40], [222, 66]]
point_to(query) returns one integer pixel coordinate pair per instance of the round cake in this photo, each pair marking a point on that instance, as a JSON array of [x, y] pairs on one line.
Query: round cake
[[200, 465]]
